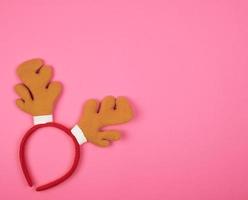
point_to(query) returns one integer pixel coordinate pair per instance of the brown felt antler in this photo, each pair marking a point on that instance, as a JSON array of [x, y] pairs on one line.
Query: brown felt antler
[[96, 115], [37, 93]]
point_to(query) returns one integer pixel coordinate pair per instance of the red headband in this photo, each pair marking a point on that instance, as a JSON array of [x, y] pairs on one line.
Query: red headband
[[38, 94], [24, 165]]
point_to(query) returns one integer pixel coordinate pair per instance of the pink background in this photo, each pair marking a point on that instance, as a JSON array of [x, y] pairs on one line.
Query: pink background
[[184, 66]]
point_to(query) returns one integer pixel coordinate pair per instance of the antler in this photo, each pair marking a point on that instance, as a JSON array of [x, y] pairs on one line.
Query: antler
[[95, 116], [37, 93]]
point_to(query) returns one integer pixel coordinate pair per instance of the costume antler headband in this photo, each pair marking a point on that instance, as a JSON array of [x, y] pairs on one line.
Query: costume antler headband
[[38, 96]]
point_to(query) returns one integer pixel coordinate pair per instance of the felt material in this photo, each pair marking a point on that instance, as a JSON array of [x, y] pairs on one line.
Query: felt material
[[37, 93], [97, 115], [42, 119], [38, 96], [78, 134]]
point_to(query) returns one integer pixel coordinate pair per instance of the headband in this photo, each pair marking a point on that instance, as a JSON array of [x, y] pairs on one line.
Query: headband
[[38, 96]]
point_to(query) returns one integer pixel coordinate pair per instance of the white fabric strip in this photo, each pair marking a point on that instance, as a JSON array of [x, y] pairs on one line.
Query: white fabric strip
[[42, 119], [78, 134]]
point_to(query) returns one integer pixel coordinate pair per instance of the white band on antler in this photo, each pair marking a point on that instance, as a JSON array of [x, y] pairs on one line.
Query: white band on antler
[[42, 119], [78, 134]]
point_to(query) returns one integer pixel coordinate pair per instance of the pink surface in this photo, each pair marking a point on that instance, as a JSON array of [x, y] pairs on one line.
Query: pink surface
[[183, 64]]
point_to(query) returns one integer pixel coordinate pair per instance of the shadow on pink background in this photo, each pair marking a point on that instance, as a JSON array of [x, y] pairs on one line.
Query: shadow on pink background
[[183, 64]]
